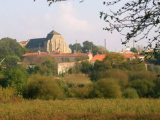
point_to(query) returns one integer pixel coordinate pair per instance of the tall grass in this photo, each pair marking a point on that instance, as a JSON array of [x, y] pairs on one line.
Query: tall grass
[[74, 109]]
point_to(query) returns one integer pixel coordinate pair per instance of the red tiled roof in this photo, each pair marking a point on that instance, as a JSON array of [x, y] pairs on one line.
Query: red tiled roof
[[34, 54], [56, 55], [99, 57], [23, 42], [129, 55]]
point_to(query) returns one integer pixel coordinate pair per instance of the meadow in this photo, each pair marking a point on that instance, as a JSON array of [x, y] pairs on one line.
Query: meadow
[[81, 109]]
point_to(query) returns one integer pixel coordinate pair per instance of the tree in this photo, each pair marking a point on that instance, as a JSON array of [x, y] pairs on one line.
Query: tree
[[42, 87], [10, 47], [135, 18], [76, 47], [130, 93], [87, 46], [133, 49], [16, 77], [106, 88], [144, 88], [86, 67]]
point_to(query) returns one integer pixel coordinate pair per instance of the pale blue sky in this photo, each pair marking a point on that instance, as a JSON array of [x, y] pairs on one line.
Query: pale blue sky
[[25, 19]]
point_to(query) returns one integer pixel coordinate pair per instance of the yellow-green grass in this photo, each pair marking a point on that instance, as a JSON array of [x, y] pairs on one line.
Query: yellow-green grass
[[75, 109], [77, 79]]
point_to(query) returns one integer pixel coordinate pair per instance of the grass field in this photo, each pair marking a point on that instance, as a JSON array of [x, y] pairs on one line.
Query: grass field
[[76, 109], [77, 79]]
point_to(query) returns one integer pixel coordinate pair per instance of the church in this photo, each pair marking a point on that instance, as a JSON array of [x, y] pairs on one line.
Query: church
[[53, 43]]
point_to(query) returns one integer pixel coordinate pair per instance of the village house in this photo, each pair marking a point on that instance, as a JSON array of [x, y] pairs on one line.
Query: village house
[[65, 61], [98, 57]]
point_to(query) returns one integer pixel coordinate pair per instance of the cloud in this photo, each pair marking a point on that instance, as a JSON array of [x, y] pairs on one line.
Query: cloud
[[67, 18]]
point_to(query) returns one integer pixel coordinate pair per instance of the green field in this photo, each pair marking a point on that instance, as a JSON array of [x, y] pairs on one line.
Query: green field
[[77, 109]]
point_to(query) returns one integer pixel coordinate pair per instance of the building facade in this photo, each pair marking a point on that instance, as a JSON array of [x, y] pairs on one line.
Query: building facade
[[54, 42]]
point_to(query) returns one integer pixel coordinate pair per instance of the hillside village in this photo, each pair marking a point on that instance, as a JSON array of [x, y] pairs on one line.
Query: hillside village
[[55, 46], [100, 62], [38, 67]]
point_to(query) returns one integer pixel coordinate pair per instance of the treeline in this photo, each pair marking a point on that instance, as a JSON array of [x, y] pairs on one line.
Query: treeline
[[115, 77], [87, 47]]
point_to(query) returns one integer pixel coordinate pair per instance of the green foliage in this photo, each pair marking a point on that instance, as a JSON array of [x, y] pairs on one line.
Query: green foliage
[[15, 76], [45, 65], [154, 68], [87, 46], [157, 87], [106, 88], [8, 94], [133, 65], [75, 47], [157, 57], [134, 75], [11, 61], [10, 47], [81, 92], [133, 49], [144, 88], [86, 67], [42, 87], [97, 75], [119, 76], [114, 60], [76, 69], [130, 93]]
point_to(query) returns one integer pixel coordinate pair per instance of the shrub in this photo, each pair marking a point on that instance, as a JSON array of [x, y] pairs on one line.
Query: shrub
[[120, 76], [130, 93], [76, 69], [86, 67], [8, 93], [81, 92], [144, 88], [133, 65], [15, 76], [42, 87], [134, 75], [106, 88], [97, 75]]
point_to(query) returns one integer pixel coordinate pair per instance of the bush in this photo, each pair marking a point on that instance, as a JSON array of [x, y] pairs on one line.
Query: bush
[[81, 92], [134, 75], [130, 93], [144, 88], [15, 76], [76, 69], [97, 75], [86, 67], [120, 76], [106, 88], [8, 93], [42, 87]]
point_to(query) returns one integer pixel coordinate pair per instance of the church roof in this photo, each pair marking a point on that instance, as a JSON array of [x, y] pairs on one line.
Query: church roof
[[39, 42], [54, 32]]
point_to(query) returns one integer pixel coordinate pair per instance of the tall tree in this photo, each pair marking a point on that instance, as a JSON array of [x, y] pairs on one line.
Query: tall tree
[[134, 18], [10, 47], [76, 47]]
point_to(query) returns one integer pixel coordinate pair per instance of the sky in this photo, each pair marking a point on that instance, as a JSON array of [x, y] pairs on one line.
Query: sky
[[25, 19]]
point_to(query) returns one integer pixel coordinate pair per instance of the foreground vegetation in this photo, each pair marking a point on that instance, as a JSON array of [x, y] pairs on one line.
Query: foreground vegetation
[[75, 109], [87, 91]]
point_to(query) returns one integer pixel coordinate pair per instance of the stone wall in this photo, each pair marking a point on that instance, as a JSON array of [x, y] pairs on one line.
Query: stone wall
[[57, 43], [64, 67]]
